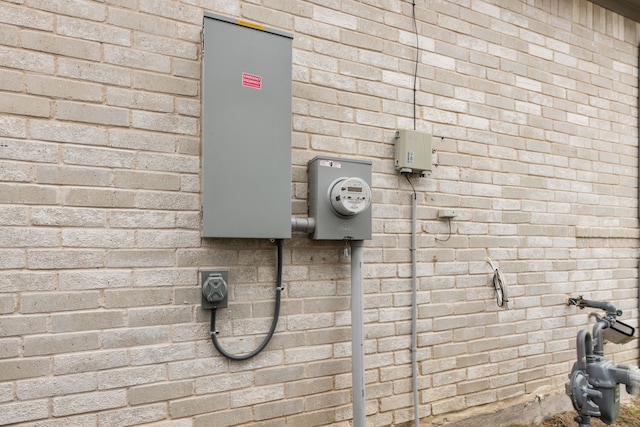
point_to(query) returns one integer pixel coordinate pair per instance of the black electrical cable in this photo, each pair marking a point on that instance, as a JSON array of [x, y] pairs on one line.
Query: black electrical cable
[[274, 322], [449, 236], [406, 175], [415, 73], [498, 285], [502, 298]]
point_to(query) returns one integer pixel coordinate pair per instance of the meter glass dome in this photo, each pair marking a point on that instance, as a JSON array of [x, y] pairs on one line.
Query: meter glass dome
[[350, 196]]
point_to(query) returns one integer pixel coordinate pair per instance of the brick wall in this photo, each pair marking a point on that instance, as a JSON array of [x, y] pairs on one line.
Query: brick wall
[[534, 115]]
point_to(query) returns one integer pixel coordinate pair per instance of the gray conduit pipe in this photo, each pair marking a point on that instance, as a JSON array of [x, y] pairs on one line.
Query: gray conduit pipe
[[307, 225], [357, 321], [357, 334], [414, 315]]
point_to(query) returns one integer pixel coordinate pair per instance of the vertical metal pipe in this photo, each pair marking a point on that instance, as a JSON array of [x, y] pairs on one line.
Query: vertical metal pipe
[[357, 334], [638, 124], [414, 315]]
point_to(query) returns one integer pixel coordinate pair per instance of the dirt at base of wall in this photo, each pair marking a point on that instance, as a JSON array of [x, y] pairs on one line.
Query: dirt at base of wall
[[524, 410], [551, 409]]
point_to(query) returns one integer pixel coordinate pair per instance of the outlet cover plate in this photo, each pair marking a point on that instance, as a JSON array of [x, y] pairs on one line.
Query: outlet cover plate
[[204, 275]]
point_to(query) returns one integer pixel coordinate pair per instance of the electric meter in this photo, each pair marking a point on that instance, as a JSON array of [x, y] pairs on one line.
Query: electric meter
[[340, 198], [350, 196]]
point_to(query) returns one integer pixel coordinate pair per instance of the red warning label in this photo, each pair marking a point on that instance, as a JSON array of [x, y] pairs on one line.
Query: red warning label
[[252, 81]]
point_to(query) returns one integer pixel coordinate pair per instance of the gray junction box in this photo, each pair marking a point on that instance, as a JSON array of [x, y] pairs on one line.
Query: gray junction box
[[324, 172], [246, 130]]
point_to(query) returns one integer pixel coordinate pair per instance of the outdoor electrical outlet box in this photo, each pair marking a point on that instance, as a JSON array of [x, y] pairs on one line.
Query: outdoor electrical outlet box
[[246, 130], [413, 152], [447, 213], [215, 289], [340, 198]]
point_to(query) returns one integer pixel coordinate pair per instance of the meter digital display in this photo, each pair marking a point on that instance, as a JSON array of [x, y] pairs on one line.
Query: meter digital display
[[350, 196]]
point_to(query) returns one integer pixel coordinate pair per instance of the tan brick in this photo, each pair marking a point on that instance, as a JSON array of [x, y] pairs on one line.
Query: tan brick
[[55, 386], [84, 70], [311, 419], [63, 46], [91, 156], [25, 105], [168, 239], [147, 180], [92, 279], [92, 238], [88, 113], [123, 56], [226, 418], [88, 320], [122, 138], [137, 297], [327, 400], [163, 392], [26, 60], [162, 45], [141, 22], [93, 31], [82, 9], [140, 258], [8, 303], [10, 348], [185, 68], [164, 84], [164, 123], [196, 405], [22, 325], [132, 337], [159, 316], [29, 150], [12, 259], [44, 130], [140, 100], [27, 18], [65, 175], [9, 36], [133, 416], [27, 281], [62, 301], [142, 219], [130, 376], [278, 409], [23, 411], [99, 198], [196, 368], [277, 375], [169, 9], [15, 172], [11, 370], [6, 392], [89, 361], [89, 402], [38, 345], [27, 194], [56, 259], [167, 201]]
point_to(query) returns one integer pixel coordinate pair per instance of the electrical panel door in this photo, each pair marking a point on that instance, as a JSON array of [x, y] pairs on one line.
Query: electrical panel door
[[246, 130]]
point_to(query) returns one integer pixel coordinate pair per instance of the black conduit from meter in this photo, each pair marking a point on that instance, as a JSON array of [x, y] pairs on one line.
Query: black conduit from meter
[[274, 323]]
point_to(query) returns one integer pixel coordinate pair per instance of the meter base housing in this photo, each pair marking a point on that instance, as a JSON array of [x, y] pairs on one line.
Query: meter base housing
[[330, 225]]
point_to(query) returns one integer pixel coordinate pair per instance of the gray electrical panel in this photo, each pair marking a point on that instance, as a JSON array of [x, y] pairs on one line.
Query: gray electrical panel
[[340, 198], [246, 130]]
